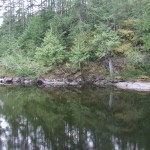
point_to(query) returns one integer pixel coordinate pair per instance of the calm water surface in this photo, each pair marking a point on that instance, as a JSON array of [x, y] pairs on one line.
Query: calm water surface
[[73, 119]]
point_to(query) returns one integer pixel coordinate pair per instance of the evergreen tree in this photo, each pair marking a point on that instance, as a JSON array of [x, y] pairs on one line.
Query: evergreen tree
[[51, 51]]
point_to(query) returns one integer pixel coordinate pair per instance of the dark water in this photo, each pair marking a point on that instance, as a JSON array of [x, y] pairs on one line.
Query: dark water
[[73, 119]]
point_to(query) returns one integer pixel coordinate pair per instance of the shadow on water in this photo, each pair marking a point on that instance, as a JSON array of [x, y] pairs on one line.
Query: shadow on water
[[69, 119]]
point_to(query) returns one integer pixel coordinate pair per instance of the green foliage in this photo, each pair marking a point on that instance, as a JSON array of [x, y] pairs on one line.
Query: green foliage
[[104, 41], [135, 63], [33, 35], [81, 31], [51, 51], [18, 64], [144, 67], [143, 26], [134, 57], [8, 45], [14, 60], [29, 48], [79, 51], [146, 41], [123, 47], [34, 30]]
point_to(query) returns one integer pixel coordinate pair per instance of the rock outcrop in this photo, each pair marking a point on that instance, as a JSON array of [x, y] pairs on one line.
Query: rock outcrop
[[77, 82], [138, 86]]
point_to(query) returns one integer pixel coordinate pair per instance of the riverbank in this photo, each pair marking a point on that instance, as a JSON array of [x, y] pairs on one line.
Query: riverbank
[[55, 82], [77, 82]]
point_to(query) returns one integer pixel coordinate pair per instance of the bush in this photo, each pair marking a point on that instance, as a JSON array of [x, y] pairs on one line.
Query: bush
[[21, 65], [133, 57]]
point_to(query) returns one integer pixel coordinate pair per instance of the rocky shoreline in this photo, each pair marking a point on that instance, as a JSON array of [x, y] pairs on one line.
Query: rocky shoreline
[[138, 86], [76, 82], [58, 82]]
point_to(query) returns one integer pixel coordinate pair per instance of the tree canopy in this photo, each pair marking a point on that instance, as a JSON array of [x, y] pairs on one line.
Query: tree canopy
[[54, 32]]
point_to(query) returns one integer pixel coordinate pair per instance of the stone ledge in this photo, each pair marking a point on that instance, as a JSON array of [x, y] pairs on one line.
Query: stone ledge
[[137, 85]]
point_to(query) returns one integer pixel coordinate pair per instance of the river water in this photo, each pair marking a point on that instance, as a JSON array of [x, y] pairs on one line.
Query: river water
[[73, 119]]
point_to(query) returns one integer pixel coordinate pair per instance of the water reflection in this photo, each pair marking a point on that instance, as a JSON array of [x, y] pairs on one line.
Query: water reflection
[[69, 119]]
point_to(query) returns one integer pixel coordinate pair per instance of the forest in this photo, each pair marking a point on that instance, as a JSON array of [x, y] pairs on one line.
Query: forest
[[37, 37]]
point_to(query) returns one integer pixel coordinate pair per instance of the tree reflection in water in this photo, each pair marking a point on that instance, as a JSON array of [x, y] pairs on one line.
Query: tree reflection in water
[[69, 119]]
